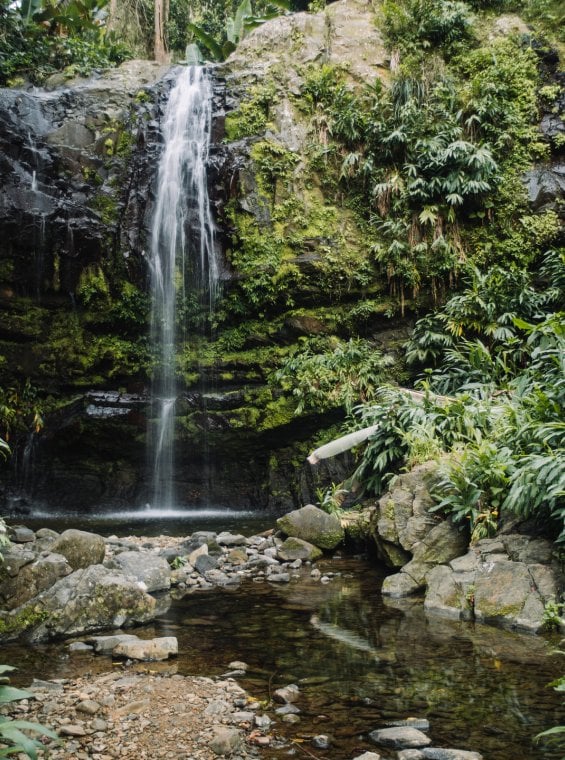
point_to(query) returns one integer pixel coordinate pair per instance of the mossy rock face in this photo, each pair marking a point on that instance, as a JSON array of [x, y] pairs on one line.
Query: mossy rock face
[[313, 525], [296, 548]]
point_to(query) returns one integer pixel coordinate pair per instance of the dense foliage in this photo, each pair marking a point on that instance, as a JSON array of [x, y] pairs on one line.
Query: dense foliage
[[40, 38], [502, 422]]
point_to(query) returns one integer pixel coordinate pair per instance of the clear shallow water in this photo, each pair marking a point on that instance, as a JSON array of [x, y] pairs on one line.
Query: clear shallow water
[[359, 660]]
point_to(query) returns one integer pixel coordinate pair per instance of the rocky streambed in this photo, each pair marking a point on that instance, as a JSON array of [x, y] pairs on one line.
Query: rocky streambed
[[282, 648]]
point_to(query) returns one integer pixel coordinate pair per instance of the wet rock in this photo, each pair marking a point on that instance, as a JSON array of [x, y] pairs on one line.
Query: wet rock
[[312, 525], [321, 741], [400, 738], [263, 721], [410, 754], [399, 585], [225, 741], [546, 186], [422, 724], [368, 756], [147, 649], [150, 569], [106, 644], [80, 646], [278, 577], [445, 596], [288, 709], [287, 694], [80, 548], [438, 753], [298, 549]]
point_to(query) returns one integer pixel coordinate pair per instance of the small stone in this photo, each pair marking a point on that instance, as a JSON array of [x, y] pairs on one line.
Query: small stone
[[134, 708], [225, 741], [80, 646], [402, 737], [263, 721], [439, 753], [238, 665], [291, 718], [88, 706], [278, 578], [287, 709], [149, 650], [315, 574], [410, 754], [322, 741], [99, 725], [72, 730], [370, 756], [287, 694]]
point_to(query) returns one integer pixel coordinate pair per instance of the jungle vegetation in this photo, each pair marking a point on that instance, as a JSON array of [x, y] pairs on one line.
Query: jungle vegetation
[[432, 167]]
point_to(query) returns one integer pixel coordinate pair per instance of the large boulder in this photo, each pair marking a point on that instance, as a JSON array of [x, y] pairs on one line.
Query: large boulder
[[313, 525], [505, 581], [80, 548], [87, 600], [31, 579], [297, 548], [150, 569], [402, 518]]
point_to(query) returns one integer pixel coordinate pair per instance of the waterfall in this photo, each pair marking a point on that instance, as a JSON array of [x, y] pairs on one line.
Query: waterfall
[[182, 253]]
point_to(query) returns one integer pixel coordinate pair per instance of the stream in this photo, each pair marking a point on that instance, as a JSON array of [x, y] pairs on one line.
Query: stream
[[359, 659]]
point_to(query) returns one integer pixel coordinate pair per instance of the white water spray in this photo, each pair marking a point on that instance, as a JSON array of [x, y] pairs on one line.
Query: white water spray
[[182, 242]]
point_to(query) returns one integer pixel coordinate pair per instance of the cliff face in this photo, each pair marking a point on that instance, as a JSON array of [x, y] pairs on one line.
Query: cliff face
[[299, 268]]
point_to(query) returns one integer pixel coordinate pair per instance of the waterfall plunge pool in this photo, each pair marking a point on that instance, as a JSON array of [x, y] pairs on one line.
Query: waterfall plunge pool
[[360, 660]]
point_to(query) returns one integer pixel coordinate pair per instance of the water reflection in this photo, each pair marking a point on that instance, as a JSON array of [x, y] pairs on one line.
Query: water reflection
[[361, 661]]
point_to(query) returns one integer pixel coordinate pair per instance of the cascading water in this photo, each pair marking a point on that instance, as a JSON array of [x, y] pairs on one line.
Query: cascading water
[[182, 247]]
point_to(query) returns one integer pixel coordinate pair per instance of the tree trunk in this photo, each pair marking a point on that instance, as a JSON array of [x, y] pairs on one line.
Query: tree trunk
[[160, 51]]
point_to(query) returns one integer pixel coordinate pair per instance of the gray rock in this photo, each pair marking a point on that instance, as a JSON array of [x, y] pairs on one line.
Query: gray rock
[[422, 724], [278, 578], [88, 706], [410, 754], [80, 548], [230, 539], [204, 563], [106, 644], [226, 741], [321, 741], [368, 756], [443, 543], [86, 600], [288, 709], [400, 738], [263, 721], [313, 525], [438, 753], [32, 579], [21, 535], [287, 694], [399, 585], [147, 649], [527, 549], [150, 569], [80, 646], [72, 729], [298, 549], [444, 595]]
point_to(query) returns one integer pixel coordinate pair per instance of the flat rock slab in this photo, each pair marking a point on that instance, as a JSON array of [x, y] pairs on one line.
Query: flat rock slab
[[148, 650], [439, 753], [401, 737]]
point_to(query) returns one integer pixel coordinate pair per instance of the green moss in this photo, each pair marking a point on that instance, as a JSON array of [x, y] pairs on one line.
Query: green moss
[[12, 625], [252, 115]]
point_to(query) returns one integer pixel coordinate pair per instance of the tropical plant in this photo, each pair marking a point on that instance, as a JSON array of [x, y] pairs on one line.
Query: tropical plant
[[14, 733], [343, 374], [236, 27]]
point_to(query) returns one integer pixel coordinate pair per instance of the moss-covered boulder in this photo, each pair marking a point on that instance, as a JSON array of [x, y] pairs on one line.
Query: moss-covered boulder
[[297, 548], [80, 548], [87, 600], [313, 525]]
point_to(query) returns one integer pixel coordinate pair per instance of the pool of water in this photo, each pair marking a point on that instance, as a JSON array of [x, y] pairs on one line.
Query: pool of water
[[360, 661], [152, 522]]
